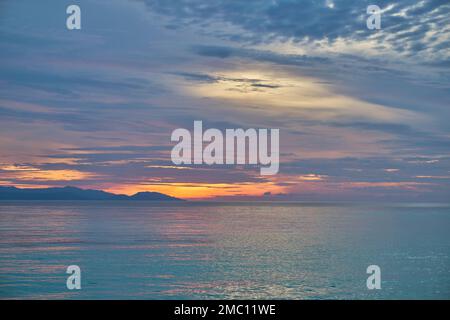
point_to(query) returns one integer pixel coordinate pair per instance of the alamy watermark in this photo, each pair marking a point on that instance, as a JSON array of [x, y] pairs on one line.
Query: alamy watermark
[[374, 20], [374, 280], [237, 146], [73, 21], [74, 280]]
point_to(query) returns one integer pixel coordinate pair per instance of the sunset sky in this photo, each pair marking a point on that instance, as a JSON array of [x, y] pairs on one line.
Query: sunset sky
[[363, 114]]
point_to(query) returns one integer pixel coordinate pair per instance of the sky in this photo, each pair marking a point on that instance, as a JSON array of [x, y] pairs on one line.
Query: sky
[[363, 114]]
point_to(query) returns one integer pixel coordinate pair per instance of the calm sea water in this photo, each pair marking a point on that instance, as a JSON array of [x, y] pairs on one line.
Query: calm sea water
[[222, 251]]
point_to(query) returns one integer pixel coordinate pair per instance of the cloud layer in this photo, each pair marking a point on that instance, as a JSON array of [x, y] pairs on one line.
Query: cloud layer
[[362, 113]]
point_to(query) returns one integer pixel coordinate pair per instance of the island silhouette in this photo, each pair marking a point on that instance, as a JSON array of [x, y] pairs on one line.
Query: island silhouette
[[74, 193]]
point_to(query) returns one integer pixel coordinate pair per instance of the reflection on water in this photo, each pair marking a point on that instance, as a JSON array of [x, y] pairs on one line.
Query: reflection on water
[[266, 251]]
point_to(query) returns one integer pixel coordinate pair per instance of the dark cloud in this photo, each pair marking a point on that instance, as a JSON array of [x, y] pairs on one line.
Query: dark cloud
[[242, 84], [259, 55], [214, 51], [75, 83]]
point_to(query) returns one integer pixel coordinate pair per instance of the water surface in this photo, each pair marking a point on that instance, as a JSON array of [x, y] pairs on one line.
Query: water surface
[[145, 250]]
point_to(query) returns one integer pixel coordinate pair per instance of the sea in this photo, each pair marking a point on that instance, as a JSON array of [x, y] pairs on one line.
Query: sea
[[212, 250]]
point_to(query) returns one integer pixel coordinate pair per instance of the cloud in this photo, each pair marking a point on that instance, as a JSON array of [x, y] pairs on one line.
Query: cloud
[[26, 173], [303, 98], [408, 26], [360, 112]]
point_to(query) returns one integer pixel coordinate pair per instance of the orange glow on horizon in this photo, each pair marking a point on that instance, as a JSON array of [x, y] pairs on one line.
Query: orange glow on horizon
[[201, 190]]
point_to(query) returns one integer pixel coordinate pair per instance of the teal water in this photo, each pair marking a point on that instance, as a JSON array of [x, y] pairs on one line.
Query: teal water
[[224, 251]]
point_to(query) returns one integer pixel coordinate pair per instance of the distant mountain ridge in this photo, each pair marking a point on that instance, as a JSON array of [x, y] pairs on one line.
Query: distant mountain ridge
[[73, 193]]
